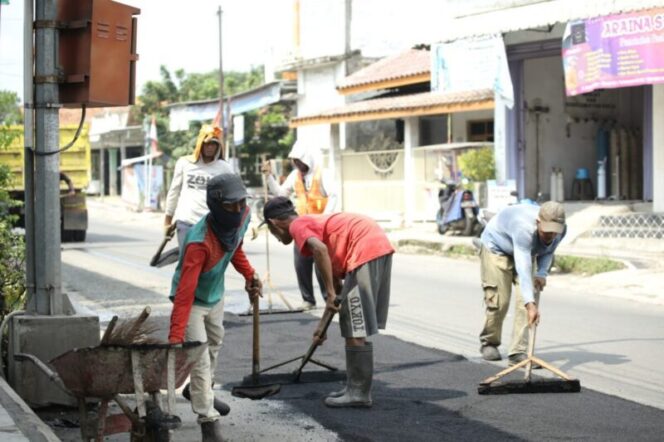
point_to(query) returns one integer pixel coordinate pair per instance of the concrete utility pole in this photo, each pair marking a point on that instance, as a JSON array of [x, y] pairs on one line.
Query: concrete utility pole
[[221, 88], [45, 297], [28, 158]]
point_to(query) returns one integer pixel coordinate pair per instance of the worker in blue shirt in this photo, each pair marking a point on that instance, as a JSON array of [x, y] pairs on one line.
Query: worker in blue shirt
[[517, 248]]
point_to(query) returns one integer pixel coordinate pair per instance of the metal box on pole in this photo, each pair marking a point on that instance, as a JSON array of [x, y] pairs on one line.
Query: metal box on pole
[[97, 52]]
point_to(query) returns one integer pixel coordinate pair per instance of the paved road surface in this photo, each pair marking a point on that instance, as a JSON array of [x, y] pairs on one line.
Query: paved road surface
[[613, 346]]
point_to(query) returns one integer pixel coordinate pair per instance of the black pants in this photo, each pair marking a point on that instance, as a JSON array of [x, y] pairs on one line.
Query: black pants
[[303, 269]]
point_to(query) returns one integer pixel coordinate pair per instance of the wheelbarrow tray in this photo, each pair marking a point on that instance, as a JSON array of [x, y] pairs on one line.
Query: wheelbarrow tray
[[105, 371]]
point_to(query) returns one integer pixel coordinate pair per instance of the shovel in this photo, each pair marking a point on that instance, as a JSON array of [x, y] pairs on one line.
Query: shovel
[[253, 389], [163, 259]]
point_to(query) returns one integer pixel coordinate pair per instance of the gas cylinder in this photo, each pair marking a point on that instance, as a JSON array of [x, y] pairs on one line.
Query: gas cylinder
[[601, 179], [553, 184], [560, 186]]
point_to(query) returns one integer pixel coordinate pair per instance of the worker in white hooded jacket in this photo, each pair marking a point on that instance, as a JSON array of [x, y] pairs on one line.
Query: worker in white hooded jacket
[[315, 193], [186, 200]]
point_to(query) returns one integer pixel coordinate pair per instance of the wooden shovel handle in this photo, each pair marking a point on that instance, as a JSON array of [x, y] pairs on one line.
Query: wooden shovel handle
[[531, 350], [323, 325], [255, 354]]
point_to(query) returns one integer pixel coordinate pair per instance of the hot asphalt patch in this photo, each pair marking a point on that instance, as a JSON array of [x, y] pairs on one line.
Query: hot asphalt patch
[[423, 394]]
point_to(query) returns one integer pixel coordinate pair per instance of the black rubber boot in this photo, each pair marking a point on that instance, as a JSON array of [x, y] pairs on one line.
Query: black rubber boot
[[359, 374], [211, 431], [222, 407]]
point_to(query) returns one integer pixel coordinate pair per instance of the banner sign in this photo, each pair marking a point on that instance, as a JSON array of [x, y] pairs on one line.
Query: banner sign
[[614, 51], [472, 64]]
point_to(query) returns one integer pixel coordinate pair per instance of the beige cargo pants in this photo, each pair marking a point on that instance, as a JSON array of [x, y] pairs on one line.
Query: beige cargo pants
[[498, 275], [205, 325]]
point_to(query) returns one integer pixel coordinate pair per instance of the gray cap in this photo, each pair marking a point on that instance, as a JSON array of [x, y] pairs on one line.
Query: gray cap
[[552, 217], [226, 188]]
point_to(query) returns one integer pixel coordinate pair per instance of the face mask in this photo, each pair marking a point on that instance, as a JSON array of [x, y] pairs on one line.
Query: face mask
[[228, 220], [225, 226]]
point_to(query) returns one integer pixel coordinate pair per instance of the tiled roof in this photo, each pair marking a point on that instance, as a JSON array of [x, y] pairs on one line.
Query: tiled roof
[[426, 103], [72, 116], [411, 65]]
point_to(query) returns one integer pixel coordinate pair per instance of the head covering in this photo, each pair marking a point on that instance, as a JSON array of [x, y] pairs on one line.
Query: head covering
[[552, 217], [225, 188], [207, 134], [300, 152], [277, 207]]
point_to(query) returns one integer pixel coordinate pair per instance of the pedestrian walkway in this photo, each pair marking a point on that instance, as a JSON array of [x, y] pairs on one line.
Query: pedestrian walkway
[[642, 280], [18, 422]]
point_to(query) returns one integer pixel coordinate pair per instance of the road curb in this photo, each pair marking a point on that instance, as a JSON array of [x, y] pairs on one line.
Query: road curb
[[25, 421]]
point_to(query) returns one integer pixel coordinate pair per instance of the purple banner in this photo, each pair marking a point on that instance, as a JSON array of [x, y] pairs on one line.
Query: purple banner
[[614, 51]]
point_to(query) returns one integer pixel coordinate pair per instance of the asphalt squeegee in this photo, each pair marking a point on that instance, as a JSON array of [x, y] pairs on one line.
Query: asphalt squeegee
[[565, 384]]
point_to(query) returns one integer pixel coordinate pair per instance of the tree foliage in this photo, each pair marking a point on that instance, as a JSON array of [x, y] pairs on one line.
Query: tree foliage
[[10, 111], [181, 86], [12, 249], [478, 164], [266, 130]]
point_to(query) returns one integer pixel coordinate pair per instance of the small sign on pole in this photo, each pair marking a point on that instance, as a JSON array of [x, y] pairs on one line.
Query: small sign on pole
[[238, 129]]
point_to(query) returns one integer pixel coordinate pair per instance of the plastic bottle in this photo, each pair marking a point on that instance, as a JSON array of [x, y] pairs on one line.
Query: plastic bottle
[[553, 184], [560, 188], [601, 179]]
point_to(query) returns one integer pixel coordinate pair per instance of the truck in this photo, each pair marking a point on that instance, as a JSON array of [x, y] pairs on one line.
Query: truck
[[75, 164]]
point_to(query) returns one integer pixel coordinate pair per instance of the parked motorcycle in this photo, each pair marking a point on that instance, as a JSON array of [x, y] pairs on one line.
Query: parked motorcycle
[[458, 211], [485, 215]]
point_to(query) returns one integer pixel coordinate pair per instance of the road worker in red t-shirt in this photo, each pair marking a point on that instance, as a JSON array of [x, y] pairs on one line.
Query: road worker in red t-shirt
[[355, 259]]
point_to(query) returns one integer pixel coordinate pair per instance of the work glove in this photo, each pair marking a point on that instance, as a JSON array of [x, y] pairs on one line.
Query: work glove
[[539, 283], [266, 168], [254, 287], [169, 229]]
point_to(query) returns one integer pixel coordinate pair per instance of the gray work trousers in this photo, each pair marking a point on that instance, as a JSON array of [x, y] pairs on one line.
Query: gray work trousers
[[182, 228], [304, 266]]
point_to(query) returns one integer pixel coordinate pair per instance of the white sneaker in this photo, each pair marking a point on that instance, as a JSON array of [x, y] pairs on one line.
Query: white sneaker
[[306, 306]]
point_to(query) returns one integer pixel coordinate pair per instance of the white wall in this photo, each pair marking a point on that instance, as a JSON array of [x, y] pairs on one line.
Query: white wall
[[658, 147], [316, 92]]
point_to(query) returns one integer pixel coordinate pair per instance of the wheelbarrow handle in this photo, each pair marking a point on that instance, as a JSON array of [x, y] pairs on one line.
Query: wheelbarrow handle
[[52, 375]]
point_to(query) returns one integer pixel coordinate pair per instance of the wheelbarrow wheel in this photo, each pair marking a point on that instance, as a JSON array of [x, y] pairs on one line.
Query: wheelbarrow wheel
[[157, 425]]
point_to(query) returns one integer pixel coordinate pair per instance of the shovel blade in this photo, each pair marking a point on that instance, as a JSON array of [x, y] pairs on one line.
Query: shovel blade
[[166, 258], [255, 392]]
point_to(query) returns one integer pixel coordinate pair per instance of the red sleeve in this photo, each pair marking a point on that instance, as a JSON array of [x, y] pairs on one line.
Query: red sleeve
[[195, 257], [241, 263], [301, 229]]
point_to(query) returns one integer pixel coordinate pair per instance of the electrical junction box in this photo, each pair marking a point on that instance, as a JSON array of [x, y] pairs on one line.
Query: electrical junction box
[[97, 53]]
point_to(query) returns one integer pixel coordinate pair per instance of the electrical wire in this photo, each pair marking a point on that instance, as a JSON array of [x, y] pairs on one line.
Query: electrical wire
[[68, 145]]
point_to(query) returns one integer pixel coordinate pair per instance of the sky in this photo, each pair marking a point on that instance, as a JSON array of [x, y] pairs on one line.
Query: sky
[[177, 34]]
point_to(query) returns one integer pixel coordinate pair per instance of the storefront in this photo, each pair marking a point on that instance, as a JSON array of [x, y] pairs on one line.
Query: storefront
[[574, 129]]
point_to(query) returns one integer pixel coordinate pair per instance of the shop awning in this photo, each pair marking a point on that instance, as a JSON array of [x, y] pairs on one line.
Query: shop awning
[[410, 67], [426, 103], [537, 15]]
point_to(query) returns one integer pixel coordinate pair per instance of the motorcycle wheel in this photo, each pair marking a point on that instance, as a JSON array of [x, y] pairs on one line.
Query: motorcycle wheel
[[439, 222]]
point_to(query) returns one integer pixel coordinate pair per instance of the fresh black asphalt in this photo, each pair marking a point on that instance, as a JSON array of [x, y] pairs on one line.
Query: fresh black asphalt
[[423, 394]]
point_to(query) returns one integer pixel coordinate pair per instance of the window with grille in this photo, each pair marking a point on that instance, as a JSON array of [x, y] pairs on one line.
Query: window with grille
[[480, 130]]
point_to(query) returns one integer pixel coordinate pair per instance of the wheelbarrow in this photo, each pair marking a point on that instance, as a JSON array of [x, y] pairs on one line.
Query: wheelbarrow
[[107, 371]]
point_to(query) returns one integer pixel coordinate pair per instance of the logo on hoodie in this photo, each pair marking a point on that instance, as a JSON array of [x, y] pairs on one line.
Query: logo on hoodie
[[197, 181]]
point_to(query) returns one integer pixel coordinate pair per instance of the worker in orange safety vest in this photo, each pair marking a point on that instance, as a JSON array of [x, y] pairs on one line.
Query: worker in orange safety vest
[[315, 193]]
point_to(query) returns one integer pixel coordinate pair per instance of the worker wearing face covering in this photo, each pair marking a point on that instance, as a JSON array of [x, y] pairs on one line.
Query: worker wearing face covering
[[197, 290], [185, 202], [315, 194]]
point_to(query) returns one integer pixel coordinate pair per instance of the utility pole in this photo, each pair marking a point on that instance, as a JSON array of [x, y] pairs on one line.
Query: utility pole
[[222, 120], [45, 296]]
